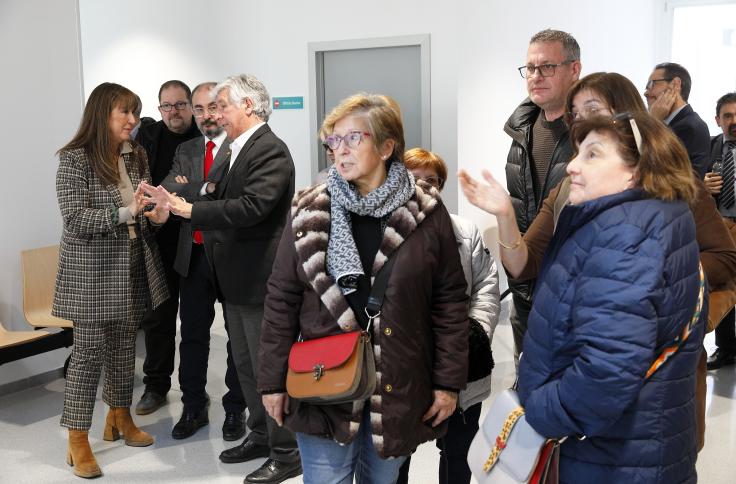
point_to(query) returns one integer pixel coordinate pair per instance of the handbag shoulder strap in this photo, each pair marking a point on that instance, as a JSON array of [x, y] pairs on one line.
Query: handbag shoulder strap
[[375, 300], [672, 348]]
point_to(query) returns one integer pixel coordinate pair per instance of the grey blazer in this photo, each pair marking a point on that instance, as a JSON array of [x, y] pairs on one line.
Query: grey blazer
[[189, 161], [93, 281]]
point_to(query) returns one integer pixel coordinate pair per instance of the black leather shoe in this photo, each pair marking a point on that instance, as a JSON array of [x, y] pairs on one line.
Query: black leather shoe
[[244, 452], [189, 423], [233, 428], [274, 471], [721, 358], [150, 402]]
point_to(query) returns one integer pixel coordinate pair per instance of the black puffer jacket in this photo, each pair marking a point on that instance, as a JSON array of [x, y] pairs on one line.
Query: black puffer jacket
[[519, 177]]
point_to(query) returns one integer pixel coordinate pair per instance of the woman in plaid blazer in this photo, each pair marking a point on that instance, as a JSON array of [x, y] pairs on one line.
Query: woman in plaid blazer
[[109, 268]]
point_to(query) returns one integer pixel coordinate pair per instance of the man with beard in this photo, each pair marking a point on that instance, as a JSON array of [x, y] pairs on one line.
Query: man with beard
[[197, 167], [160, 141], [721, 185], [243, 218]]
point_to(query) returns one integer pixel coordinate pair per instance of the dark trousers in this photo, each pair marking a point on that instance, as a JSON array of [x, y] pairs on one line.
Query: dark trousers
[[245, 336], [454, 446], [159, 329], [519, 320], [726, 333], [197, 311]]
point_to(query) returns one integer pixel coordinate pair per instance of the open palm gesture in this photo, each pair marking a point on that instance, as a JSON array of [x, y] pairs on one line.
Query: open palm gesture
[[490, 196]]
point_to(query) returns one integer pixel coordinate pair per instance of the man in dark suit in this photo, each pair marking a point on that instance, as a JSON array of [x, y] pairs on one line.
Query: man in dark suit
[[245, 216], [723, 149], [667, 92], [159, 327], [198, 165]]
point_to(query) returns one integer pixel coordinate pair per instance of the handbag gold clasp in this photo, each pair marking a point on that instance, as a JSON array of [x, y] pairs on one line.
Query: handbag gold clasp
[[318, 371]]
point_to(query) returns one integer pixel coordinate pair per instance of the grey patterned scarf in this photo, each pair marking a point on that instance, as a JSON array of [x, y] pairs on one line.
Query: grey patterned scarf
[[343, 260]]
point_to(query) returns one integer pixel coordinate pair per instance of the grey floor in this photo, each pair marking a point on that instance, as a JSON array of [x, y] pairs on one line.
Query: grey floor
[[32, 445]]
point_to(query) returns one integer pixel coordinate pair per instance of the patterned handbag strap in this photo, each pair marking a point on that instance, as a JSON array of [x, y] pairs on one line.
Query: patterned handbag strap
[[508, 425], [682, 337]]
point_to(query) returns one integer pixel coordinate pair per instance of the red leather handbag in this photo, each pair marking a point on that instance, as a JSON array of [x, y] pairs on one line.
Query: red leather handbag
[[333, 369], [338, 368]]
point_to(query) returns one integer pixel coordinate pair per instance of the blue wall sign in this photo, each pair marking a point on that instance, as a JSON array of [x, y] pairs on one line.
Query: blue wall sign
[[295, 102]]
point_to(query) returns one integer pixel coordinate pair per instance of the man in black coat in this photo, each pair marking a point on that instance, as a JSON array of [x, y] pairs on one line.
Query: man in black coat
[[161, 140], [242, 220], [667, 92], [540, 147]]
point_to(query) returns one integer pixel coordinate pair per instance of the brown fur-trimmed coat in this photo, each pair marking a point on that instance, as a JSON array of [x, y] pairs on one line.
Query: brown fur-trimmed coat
[[420, 340]]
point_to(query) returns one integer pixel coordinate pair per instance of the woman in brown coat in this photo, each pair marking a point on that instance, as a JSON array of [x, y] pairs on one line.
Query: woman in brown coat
[[109, 268], [338, 235]]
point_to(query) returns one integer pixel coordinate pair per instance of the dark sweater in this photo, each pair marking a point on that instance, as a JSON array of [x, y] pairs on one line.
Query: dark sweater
[[367, 234]]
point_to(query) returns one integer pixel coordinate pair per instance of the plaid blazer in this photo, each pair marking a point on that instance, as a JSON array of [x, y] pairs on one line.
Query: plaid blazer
[[93, 281]]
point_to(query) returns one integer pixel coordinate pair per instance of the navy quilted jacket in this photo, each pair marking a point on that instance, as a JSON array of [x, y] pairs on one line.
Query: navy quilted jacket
[[619, 281]]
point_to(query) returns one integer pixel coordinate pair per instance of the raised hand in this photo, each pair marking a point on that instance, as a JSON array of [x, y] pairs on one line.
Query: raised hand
[[491, 196], [713, 182], [662, 106], [157, 196]]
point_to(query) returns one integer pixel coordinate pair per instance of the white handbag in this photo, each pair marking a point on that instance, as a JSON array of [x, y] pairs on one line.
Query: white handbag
[[506, 449]]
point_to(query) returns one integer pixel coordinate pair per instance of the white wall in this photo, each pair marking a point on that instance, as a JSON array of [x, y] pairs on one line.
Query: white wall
[[150, 42], [41, 81]]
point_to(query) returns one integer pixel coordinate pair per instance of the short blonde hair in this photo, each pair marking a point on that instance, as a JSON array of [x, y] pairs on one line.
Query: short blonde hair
[[382, 114]]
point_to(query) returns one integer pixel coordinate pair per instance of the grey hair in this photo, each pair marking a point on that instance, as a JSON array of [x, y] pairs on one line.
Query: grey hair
[[569, 44], [246, 86]]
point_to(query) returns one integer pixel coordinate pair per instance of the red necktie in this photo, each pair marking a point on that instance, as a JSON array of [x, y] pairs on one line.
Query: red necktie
[[208, 160]]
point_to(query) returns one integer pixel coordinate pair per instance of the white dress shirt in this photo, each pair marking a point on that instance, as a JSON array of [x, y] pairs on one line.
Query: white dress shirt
[[240, 141]]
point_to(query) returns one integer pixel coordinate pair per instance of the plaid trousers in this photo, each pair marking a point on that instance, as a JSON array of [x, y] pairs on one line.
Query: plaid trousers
[[106, 343]]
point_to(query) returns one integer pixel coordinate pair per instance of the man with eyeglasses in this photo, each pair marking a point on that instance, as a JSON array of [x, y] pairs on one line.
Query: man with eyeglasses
[[160, 141], [540, 147], [197, 167], [667, 92]]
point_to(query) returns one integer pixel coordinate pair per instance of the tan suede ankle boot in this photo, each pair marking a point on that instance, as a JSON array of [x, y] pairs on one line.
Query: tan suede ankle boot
[[80, 455], [119, 422]]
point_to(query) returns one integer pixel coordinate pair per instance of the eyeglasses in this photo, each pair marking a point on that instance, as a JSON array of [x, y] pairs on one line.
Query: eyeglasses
[[585, 113], [435, 181], [166, 107], [634, 128], [199, 111], [650, 83], [352, 139], [545, 70]]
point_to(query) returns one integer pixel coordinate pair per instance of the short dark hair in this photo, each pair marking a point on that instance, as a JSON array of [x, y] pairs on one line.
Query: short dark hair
[[569, 44], [672, 70], [175, 83], [727, 98]]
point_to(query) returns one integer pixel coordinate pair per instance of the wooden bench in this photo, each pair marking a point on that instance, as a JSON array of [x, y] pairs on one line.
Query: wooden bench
[[39, 278], [15, 338], [39, 268]]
